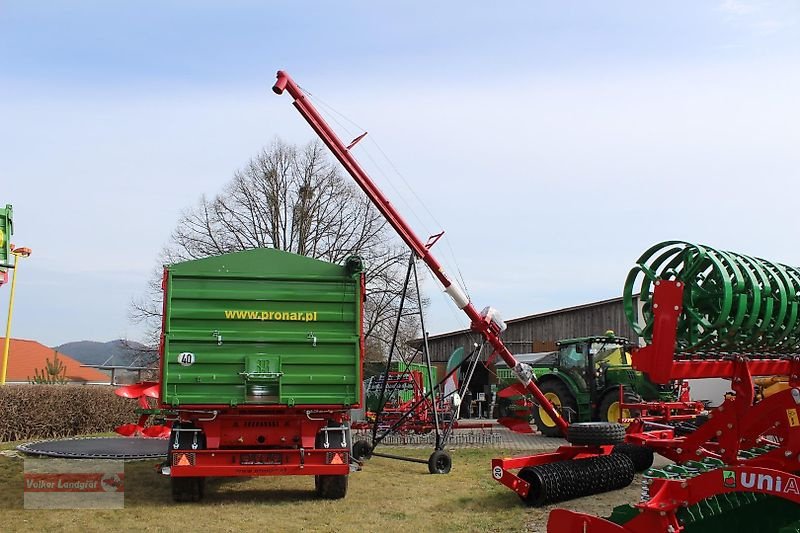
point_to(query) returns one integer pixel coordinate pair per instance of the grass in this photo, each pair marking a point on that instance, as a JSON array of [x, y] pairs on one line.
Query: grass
[[387, 495]]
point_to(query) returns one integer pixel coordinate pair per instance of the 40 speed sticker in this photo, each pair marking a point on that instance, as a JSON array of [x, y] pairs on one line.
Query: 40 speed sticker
[[186, 358], [497, 472]]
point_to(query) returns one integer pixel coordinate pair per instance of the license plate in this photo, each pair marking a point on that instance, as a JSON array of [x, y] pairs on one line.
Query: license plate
[[261, 459]]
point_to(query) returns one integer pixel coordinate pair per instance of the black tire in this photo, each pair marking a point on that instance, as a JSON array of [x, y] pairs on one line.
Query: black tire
[[595, 433], [569, 406], [362, 450], [439, 462], [642, 456], [331, 487], [187, 489], [565, 480], [611, 398]]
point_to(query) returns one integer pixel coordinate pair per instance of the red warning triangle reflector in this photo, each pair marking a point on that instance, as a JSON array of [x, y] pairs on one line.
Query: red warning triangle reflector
[[337, 459], [183, 460]]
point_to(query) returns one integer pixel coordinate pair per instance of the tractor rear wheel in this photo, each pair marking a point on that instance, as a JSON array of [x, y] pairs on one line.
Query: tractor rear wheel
[[564, 402], [609, 410], [331, 487]]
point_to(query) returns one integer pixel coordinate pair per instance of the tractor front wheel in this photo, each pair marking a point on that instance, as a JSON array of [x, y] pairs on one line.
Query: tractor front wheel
[[609, 410], [562, 399]]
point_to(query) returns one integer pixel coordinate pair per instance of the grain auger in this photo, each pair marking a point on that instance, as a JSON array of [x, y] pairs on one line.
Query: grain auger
[[486, 323], [705, 313]]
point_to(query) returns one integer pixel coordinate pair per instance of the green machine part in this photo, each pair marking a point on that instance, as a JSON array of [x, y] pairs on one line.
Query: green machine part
[[730, 300], [262, 327], [724, 512], [6, 231]]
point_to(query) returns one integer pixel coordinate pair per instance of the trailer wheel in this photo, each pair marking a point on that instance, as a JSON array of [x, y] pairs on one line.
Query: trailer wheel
[[595, 433], [362, 450], [188, 489], [440, 462], [331, 487], [562, 399], [642, 456]]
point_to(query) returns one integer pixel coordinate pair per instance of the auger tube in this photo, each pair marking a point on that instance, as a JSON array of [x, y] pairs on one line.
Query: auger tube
[[478, 323]]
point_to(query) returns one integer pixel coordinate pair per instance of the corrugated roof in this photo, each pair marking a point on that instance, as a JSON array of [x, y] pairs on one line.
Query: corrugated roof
[[530, 317], [26, 356]]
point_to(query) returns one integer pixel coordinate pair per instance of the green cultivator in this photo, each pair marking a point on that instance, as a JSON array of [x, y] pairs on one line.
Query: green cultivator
[[704, 314], [731, 301]]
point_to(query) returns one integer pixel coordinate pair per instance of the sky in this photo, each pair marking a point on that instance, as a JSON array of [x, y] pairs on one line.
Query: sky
[[554, 142]]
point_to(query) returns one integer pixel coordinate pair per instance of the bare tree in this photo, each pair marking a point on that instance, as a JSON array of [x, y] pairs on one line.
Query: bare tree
[[293, 199]]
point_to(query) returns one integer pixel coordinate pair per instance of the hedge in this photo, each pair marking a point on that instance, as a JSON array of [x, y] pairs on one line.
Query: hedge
[[54, 411]]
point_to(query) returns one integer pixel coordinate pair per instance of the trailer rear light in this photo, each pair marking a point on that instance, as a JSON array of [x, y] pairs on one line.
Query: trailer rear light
[[183, 459], [261, 459], [336, 458]]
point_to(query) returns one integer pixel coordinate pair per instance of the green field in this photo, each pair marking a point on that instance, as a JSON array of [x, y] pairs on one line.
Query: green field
[[386, 496]]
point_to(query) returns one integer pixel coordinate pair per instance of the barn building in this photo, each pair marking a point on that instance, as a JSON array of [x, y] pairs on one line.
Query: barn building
[[533, 333]]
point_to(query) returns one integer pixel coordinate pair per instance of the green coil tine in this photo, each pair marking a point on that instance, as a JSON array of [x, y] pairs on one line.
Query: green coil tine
[[688, 266], [789, 317], [731, 301], [755, 279], [651, 275], [718, 301], [740, 305], [749, 300], [781, 304], [791, 342], [754, 341]]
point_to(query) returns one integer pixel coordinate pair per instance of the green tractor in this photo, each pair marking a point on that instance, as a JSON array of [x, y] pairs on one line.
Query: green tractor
[[582, 379]]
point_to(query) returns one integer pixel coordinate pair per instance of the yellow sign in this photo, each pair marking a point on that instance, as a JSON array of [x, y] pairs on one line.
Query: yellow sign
[[794, 421], [302, 316], [2, 237]]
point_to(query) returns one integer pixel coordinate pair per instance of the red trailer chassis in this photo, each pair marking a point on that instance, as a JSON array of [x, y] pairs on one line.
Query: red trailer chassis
[[249, 442]]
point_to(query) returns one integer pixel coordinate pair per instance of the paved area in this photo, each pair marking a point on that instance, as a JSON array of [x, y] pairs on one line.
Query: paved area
[[494, 436]]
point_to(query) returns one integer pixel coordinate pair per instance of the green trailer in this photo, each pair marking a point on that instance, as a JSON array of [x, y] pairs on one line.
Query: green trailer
[[261, 361]]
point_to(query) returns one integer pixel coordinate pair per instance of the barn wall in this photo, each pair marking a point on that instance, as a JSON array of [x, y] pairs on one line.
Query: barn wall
[[538, 333]]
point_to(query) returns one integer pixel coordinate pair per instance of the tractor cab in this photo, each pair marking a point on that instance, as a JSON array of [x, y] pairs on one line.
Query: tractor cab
[[586, 358]]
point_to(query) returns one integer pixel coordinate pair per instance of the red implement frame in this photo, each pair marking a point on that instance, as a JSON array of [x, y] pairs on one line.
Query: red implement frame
[[735, 425], [480, 324], [395, 410], [662, 411]]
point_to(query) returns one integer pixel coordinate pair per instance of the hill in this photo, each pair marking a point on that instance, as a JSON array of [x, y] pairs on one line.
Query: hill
[[116, 352]]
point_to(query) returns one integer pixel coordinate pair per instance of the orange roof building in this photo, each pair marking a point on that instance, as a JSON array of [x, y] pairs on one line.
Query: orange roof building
[[25, 357]]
